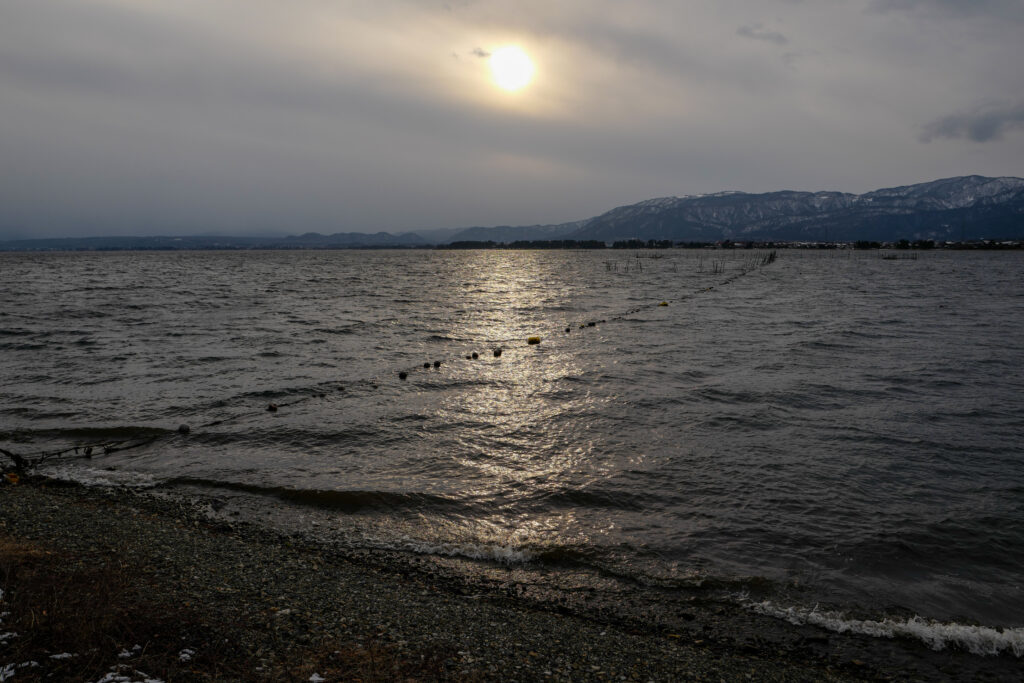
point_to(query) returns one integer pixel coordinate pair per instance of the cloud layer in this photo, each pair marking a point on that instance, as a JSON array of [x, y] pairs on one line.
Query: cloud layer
[[261, 116], [984, 124]]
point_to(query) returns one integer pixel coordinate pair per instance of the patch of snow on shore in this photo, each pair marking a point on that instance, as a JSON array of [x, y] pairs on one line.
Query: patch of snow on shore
[[125, 674]]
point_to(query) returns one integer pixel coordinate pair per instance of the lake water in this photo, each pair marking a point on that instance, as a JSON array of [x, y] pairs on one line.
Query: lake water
[[830, 429]]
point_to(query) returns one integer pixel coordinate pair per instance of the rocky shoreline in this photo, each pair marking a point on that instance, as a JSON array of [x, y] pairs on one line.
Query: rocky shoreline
[[241, 602]]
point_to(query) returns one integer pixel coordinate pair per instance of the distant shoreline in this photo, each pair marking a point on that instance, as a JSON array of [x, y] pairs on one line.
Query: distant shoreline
[[116, 245]]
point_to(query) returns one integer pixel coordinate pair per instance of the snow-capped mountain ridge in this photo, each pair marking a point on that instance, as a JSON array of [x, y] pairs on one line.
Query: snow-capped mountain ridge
[[951, 207]]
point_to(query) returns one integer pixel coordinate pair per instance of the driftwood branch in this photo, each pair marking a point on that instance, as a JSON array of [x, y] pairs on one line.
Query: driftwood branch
[[24, 462]]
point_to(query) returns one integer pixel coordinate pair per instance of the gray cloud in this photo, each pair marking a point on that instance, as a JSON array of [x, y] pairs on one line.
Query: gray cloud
[[986, 123], [173, 116], [998, 9], [758, 32]]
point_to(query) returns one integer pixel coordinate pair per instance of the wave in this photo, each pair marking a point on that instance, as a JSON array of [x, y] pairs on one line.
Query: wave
[[94, 434], [978, 640], [474, 551], [91, 476], [345, 501]]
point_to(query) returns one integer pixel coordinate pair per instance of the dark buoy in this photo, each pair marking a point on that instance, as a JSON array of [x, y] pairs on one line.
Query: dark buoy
[[475, 355], [591, 324], [497, 353], [567, 330], [403, 375], [426, 365], [183, 429], [437, 363], [468, 357], [272, 408]]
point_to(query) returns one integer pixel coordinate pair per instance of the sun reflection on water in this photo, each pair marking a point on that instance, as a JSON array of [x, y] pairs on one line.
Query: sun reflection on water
[[520, 416]]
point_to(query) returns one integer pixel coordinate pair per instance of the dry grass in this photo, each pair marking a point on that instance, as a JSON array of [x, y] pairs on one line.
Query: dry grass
[[95, 607]]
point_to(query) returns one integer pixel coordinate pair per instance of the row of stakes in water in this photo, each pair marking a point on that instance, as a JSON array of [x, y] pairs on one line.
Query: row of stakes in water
[[497, 352], [473, 356]]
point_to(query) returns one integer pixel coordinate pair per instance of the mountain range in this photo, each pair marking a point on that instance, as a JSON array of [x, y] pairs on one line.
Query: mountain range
[[958, 209], [968, 207]]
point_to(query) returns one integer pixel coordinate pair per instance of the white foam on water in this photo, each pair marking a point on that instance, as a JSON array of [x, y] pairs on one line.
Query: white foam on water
[[90, 476], [978, 640], [472, 551]]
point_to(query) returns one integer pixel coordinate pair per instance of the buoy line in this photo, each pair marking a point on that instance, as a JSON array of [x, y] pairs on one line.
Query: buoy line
[[25, 462]]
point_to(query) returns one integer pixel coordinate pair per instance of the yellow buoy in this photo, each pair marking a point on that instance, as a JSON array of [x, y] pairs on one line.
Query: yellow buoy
[[533, 340], [663, 303]]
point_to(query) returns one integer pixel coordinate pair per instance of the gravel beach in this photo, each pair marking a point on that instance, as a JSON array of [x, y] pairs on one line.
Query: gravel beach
[[260, 605]]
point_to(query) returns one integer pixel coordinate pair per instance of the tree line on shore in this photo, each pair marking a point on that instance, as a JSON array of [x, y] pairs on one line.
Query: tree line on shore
[[729, 244]]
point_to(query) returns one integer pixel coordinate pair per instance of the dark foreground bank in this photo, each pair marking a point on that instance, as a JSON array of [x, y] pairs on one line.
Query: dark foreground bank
[[115, 585]]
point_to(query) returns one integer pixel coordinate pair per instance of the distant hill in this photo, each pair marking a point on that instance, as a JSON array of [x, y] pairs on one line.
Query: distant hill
[[969, 207], [964, 208], [310, 240], [508, 233], [352, 239]]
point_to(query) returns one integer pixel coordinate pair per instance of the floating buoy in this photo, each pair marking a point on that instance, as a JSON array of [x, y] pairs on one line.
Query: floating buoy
[[12, 478], [182, 429], [497, 353], [403, 375], [437, 363], [591, 324], [272, 408], [533, 340], [663, 303], [469, 357], [475, 356], [582, 325], [567, 330], [426, 365]]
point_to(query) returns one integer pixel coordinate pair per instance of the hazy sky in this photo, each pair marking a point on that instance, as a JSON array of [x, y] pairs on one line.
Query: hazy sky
[[191, 116]]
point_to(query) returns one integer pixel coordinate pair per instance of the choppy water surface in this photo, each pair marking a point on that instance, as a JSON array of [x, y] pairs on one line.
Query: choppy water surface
[[832, 427]]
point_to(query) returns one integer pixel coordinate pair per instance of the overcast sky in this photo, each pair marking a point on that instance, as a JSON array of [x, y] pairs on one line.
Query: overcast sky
[[250, 116]]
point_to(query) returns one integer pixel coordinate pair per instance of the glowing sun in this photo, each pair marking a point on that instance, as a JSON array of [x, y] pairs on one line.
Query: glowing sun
[[511, 68]]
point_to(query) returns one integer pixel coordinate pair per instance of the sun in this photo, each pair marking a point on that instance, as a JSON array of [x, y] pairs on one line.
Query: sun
[[511, 68]]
